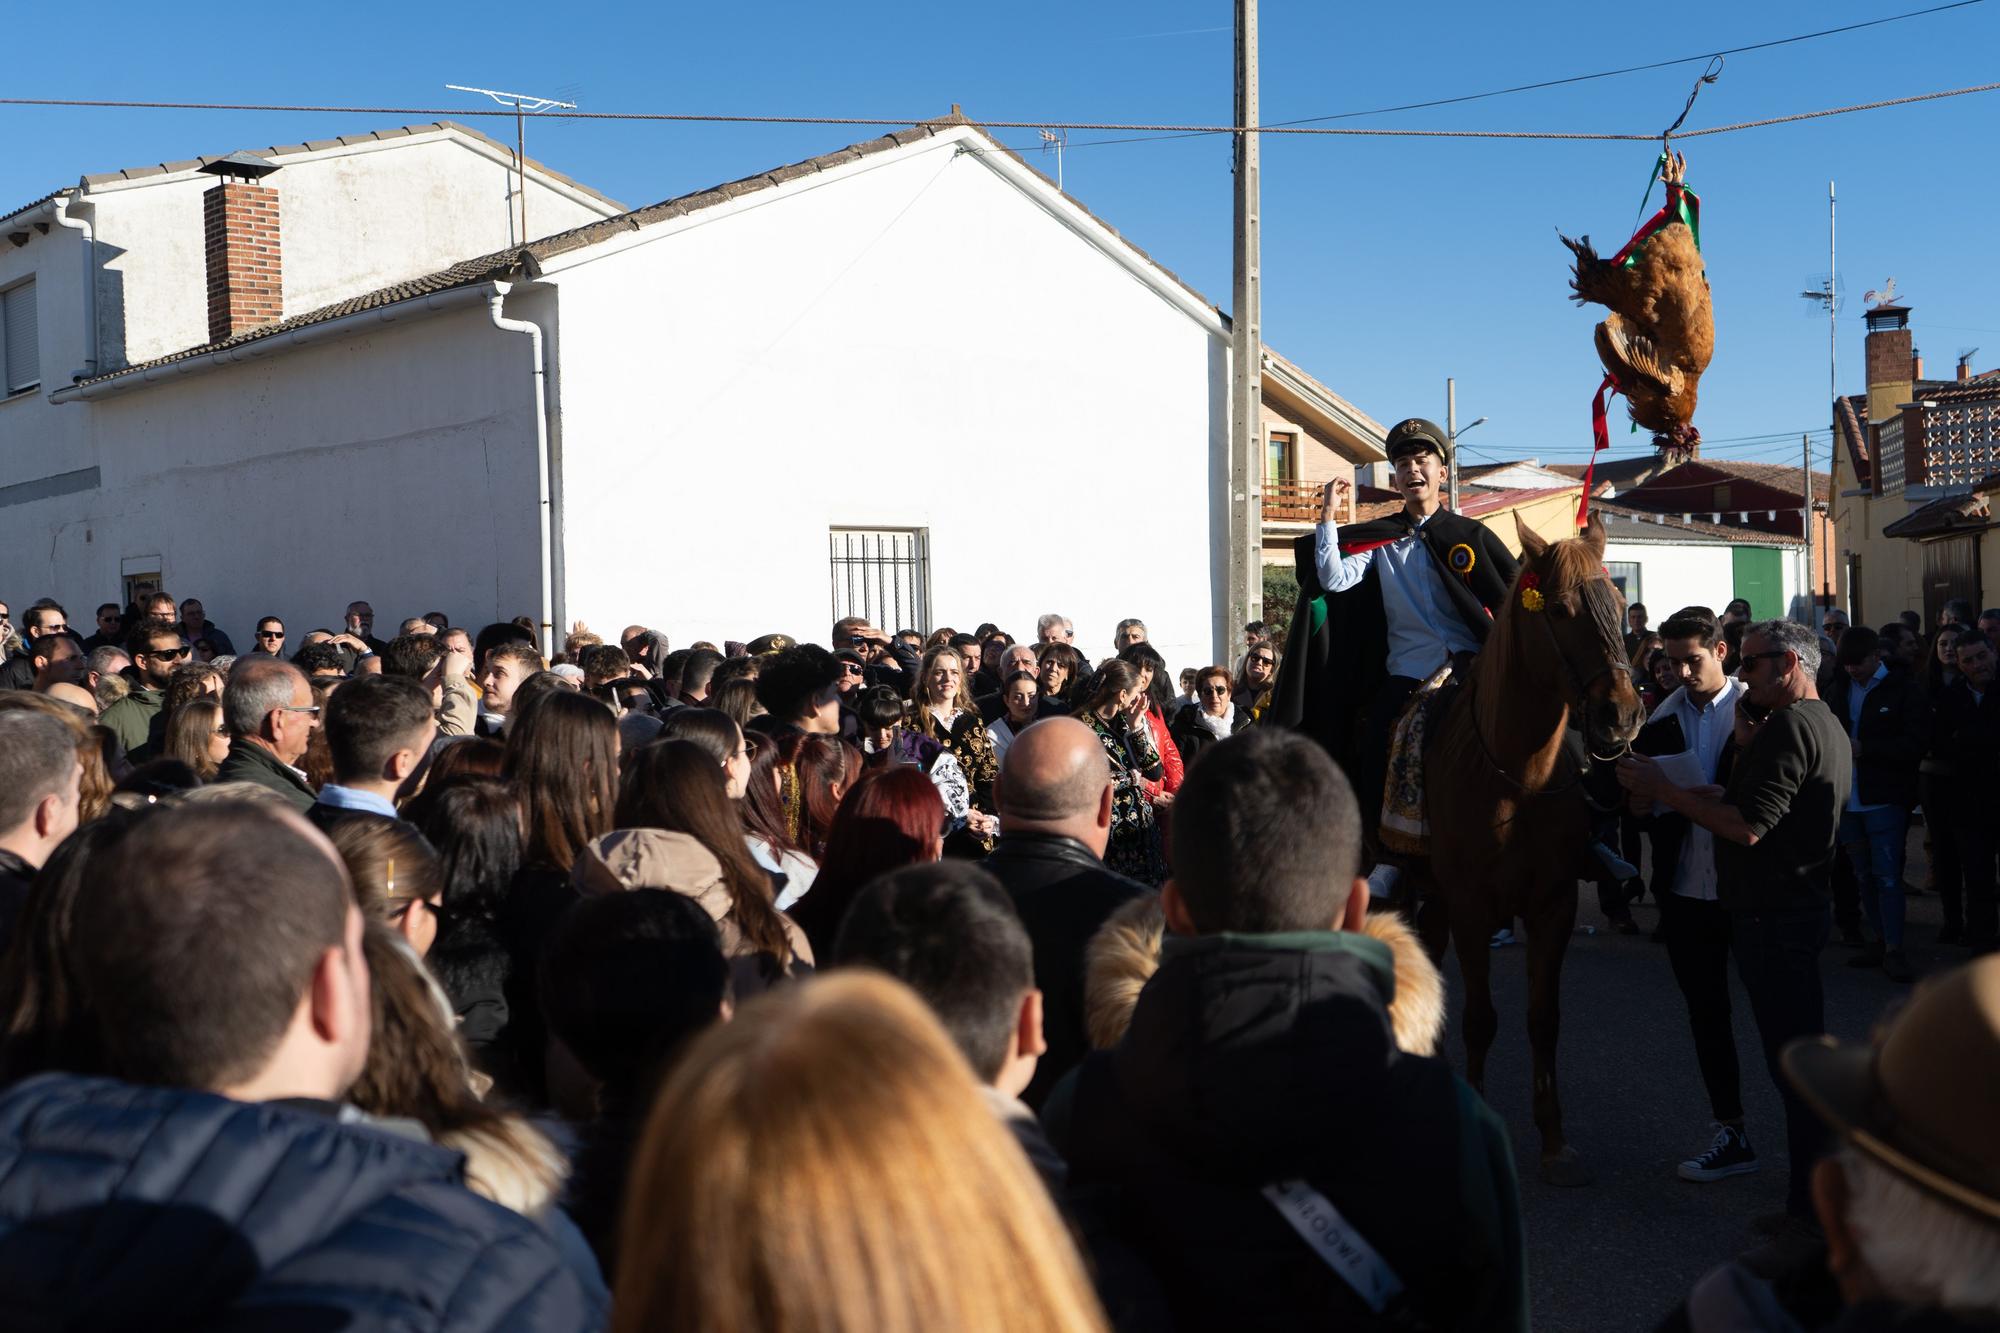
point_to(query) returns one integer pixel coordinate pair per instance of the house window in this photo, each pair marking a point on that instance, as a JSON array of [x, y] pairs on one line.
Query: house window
[[20, 347], [883, 574], [1625, 575], [1281, 456]]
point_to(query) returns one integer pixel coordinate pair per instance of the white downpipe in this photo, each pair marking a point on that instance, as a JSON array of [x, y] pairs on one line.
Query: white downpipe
[[548, 458], [59, 209]]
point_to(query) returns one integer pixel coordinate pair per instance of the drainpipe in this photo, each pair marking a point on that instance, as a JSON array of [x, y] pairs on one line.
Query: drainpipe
[[548, 457], [59, 208]]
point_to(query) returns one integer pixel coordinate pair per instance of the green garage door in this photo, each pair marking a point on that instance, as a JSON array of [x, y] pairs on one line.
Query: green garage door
[[1760, 580]]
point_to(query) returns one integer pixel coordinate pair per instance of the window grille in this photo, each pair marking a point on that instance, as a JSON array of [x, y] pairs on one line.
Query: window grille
[[883, 574]]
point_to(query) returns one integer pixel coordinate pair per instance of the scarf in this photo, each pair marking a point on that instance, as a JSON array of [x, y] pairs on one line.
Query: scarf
[[1219, 727]]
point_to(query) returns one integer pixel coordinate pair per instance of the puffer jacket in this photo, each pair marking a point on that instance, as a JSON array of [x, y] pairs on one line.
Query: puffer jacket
[[1259, 1083], [140, 1207], [1125, 953]]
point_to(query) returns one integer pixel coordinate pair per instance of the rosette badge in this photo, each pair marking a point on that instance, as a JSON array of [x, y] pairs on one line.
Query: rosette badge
[[1461, 559], [1531, 591]]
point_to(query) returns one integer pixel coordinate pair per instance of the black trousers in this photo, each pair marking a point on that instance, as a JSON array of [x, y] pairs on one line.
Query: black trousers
[[1777, 958], [1846, 896], [1698, 937], [1942, 821]]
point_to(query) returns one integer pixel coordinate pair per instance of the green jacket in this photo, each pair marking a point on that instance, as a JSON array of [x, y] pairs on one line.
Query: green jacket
[[131, 721], [253, 763]]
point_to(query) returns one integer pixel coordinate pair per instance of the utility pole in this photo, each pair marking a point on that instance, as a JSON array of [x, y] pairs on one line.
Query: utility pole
[[1451, 434], [1833, 394], [524, 104], [1806, 526], [1246, 515]]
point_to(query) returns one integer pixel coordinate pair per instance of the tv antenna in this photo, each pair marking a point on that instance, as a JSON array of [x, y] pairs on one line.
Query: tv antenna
[[525, 105], [1057, 140]]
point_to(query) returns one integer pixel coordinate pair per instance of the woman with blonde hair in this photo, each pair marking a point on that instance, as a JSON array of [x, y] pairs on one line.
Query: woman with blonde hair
[[941, 708], [832, 1150]]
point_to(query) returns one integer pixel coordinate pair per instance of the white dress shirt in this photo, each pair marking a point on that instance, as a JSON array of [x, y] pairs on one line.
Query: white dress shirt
[[1707, 728], [1423, 629]]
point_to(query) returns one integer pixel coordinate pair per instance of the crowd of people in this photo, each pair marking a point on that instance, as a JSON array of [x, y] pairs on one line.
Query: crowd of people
[[909, 980]]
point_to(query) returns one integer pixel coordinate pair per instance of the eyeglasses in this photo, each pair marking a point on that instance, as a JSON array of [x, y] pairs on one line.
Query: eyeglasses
[[1215, 689], [169, 654], [1748, 658], [312, 709]]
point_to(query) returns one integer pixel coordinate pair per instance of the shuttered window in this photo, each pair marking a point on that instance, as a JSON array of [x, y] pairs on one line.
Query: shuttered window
[[20, 348]]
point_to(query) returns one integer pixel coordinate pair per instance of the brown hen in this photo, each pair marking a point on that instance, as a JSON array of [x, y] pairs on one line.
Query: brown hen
[[1660, 334]]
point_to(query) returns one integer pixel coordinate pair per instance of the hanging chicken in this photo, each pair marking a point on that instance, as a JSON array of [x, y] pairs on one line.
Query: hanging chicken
[[1661, 331]]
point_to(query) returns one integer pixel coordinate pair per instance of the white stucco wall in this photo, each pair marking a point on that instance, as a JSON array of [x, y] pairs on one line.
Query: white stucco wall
[[912, 344], [1671, 577], [397, 465]]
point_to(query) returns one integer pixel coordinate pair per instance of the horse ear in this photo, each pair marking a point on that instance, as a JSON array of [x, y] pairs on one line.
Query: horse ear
[[1593, 535], [1532, 543]]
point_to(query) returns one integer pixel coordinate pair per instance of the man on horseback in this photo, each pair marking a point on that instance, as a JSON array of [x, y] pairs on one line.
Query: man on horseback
[[1405, 595]]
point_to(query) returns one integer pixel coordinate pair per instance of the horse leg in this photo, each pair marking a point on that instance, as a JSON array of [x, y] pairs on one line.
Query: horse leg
[[1548, 941], [1472, 933], [1428, 912]]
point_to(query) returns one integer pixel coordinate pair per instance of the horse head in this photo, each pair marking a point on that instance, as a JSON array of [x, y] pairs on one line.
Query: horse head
[[1564, 589]]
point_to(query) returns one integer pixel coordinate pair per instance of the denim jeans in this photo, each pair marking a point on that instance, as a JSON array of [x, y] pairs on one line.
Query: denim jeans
[[1777, 959], [1874, 842]]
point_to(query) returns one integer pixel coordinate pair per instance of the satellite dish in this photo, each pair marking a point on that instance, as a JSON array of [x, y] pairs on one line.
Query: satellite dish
[[1824, 290]]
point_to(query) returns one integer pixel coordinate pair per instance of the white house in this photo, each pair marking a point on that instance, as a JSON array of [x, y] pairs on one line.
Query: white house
[[1669, 562], [910, 379]]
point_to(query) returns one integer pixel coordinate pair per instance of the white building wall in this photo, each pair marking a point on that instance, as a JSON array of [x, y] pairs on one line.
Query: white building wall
[[1672, 576], [913, 345], [397, 465]]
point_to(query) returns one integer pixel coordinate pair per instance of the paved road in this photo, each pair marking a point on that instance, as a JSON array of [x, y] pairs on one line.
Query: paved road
[[1620, 1253]]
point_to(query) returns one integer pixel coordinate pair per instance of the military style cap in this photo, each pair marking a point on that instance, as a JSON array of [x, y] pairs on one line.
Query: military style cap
[[771, 643], [1414, 435]]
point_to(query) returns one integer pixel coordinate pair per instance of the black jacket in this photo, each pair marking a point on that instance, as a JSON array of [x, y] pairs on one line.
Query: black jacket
[[134, 1207], [1257, 1060], [1895, 732], [1337, 649], [1063, 894], [253, 763], [16, 878], [1965, 736], [1190, 737]]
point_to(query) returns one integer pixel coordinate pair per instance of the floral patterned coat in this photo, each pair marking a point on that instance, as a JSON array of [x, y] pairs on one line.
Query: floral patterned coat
[[1135, 848]]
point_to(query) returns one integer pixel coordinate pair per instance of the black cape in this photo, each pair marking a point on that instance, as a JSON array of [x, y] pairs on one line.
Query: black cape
[[1337, 650]]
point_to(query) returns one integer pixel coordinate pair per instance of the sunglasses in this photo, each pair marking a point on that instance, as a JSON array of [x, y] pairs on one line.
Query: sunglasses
[[169, 654], [270, 634], [849, 669], [1215, 689], [1748, 658], [1266, 661]]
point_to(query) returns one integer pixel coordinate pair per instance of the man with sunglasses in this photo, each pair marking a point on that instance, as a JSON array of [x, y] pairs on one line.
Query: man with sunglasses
[[1774, 826], [157, 647], [270, 638]]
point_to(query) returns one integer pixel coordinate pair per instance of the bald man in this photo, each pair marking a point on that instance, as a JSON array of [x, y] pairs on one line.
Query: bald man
[[1054, 793]]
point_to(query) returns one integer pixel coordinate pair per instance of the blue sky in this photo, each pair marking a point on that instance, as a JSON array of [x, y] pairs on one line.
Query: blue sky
[[1388, 264]]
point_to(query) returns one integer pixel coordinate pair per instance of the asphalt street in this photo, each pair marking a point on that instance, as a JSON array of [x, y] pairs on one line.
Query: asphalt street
[[1620, 1253]]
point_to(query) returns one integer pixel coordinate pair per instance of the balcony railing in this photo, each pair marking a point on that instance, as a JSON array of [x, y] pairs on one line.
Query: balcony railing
[[1294, 502]]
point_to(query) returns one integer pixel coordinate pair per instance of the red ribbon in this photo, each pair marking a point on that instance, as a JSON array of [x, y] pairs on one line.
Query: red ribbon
[[1600, 438]]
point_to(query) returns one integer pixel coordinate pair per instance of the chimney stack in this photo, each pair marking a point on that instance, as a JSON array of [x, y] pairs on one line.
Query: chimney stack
[[246, 274], [1916, 364], [1965, 366], [1891, 359]]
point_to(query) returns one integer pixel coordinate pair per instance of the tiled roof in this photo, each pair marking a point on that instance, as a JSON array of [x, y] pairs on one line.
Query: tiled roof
[[1687, 486], [1977, 389], [1621, 473], [32, 204], [343, 141], [525, 260], [1625, 523], [1948, 513], [1850, 412]]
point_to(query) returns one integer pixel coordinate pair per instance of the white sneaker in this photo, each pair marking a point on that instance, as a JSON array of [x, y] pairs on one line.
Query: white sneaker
[[1382, 879]]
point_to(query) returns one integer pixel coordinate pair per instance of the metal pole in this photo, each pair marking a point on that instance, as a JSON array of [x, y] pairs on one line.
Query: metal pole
[[1246, 519], [1806, 526], [521, 166], [1451, 433], [1832, 364]]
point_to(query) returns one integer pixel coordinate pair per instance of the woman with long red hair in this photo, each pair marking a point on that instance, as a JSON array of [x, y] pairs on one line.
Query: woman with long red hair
[[892, 817]]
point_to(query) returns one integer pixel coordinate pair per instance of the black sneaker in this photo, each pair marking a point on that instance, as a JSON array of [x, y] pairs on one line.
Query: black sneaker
[[1730, 1155]]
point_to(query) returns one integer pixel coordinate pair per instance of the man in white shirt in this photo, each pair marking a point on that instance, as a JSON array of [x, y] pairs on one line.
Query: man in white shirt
[[1696, 927]]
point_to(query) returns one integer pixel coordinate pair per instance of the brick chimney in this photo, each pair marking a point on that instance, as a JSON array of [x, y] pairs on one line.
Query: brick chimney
[[1891, 361], [246, 272], [1965, 366], [1916, 364]]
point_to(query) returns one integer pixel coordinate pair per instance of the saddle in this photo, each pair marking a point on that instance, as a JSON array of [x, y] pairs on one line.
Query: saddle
[[1404, 827]]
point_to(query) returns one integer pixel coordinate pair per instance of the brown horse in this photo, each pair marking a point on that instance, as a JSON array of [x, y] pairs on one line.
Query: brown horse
[[1510, 831]]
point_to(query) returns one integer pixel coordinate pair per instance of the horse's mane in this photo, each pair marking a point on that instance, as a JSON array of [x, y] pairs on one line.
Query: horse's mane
[[1564, 568]]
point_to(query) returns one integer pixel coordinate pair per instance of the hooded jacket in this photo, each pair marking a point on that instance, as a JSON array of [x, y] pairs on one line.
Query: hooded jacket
[[1254, 1060], [141, 1207]]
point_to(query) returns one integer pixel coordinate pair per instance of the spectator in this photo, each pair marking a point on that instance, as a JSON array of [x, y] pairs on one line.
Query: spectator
[[1636, 620], [1965, 753], [476, 825], [1913, 620], [974, 1243], [1774, 827], [1254, 674], [891, 818], [1011, 659], [396, 877], [56, 660], [800, 690], [1061, 668], [269, 710], [1888, 724], [157, 605], [104, 675], [1128, 633], [967, 648], [320, 661], [1215, 718], [949, 932], [39, 777], [1956, 611], [223, 955], [1736, 613], [1228, 1154], [697, 673], [628, 980], [1114, 710], [378, 732], [766, 822], [360, 623], [1053, 628], [884, 739], [156, 647], [189, 681], [194, 623], [508, 664], [941, 710], [1989, 625], [1833, 624], [1155, 699], [1056, 805], [993, 646], [677, 788], [39, 621], [92, 746], [1020, 704], [1697, 720], [196, 736], [416, 625], [269, 638], [1254, 633], [110, 629], [719, 738]]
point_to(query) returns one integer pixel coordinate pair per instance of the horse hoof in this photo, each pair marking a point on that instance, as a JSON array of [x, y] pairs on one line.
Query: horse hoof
[[1566, 1170]]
